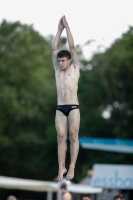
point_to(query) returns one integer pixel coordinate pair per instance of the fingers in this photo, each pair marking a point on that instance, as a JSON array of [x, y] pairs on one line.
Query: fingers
[[63, 21], [63, 17]]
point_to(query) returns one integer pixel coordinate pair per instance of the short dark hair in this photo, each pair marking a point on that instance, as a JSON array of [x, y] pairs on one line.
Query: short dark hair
[[63, 186], [64, 53], [119, 196], [86, 195]]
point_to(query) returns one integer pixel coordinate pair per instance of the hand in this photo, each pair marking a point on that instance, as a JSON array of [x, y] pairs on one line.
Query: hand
[[65, 21], [61, 25]]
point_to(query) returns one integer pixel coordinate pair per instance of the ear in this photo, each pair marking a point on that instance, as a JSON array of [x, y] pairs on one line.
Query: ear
[[69, 61]]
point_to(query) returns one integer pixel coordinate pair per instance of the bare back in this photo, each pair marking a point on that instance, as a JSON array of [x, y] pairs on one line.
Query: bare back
[[67, 85]]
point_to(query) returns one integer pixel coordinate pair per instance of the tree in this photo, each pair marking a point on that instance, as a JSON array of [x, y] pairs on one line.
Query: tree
[[106, 85], [27, 100]]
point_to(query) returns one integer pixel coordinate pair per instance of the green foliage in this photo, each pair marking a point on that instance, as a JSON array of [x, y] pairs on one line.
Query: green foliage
[[27, 100], [107, 87]]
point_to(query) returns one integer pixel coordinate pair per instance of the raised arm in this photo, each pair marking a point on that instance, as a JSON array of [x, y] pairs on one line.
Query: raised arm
[[56, 43], [75, 58]]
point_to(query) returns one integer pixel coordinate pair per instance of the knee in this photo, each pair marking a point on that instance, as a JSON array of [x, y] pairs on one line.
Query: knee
[[61, 138], [73, 135]]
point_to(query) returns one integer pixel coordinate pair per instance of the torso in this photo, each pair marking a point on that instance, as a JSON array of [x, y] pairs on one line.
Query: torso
[[67, 85]]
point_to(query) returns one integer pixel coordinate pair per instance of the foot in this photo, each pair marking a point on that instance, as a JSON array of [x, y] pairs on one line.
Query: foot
[[70, 173], [60, 173]]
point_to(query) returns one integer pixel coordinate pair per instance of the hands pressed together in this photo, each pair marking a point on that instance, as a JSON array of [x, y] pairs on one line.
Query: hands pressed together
[[62, 23]]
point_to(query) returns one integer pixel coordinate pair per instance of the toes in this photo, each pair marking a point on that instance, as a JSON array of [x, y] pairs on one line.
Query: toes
[[70, 174], [60, 174], [69, 178], [59, 179]]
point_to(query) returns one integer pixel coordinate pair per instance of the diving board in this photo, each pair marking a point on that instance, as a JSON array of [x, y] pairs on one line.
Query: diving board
[[107, 144]]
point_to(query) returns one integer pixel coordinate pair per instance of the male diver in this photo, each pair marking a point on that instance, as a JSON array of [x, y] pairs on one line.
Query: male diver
[[67, 73]]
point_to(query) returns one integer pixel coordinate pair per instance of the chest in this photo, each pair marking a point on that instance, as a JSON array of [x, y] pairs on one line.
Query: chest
[[67, 76]]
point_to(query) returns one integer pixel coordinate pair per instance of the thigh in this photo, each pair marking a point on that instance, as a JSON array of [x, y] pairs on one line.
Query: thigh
[[74, 120], [61, 123]]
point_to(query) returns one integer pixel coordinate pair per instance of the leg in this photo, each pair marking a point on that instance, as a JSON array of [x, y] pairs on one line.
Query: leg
[[61, 127], [73, 121]]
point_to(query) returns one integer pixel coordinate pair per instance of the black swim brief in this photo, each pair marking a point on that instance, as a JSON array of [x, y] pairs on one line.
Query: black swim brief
[[65, 109]]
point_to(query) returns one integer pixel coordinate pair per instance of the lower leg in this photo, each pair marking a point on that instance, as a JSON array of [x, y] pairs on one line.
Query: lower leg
[[62, 147], [74, 148]]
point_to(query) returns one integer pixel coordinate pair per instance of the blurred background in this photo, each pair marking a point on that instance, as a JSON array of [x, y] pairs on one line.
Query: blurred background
[[103, 35]]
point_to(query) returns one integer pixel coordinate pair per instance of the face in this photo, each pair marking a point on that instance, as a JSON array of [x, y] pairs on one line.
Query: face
[[63, 191], [63, 63]]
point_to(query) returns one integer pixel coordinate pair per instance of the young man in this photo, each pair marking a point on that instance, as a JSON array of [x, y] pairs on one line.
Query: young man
[[67, 72]]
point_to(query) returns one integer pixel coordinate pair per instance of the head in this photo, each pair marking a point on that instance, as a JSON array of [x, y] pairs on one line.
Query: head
[[64, 59], [119, 197], [63, 188], [11, 197], [86, 197]]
